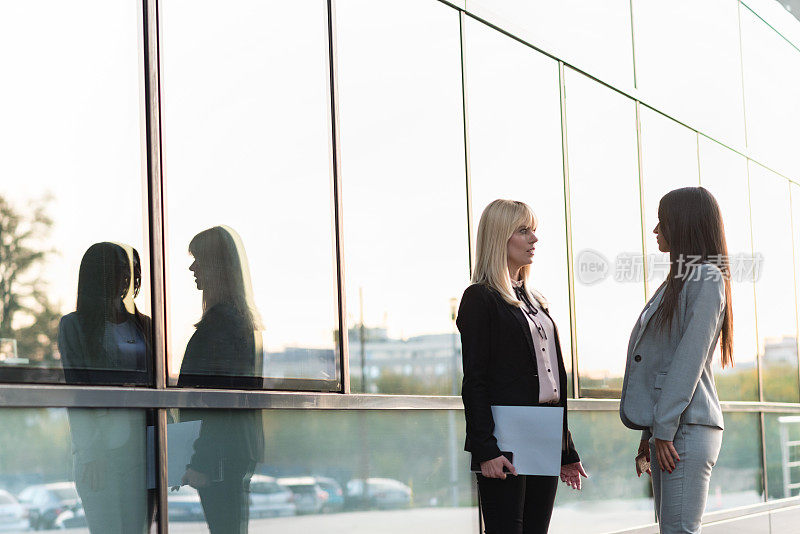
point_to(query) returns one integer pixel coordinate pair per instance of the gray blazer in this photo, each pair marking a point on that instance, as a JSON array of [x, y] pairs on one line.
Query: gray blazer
[[668, 377]]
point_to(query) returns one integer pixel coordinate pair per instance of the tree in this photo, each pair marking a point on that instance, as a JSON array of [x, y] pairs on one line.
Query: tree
[[26, 312]]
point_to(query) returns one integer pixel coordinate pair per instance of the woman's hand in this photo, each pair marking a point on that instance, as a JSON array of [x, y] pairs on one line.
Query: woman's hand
[[667, 455], [644, 448], [494, 468], [571, 475], [195, 479]]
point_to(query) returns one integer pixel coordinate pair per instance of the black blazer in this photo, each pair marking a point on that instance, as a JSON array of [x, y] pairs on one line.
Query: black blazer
[[500, 368]]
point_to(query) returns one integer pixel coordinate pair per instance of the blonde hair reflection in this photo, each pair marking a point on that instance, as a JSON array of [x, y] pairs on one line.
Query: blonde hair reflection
[[221, 251], [500, 219]]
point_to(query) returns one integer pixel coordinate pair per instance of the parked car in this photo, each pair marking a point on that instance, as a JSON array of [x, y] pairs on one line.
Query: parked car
[[45, 502], [184, 505], [13, 515], [270, 499], [309, 497], [380, 493], [335, 501]]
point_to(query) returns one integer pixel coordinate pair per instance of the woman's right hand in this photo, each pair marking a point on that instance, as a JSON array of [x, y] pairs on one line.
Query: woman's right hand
[[644, 448], [494, 468], [195, 479]]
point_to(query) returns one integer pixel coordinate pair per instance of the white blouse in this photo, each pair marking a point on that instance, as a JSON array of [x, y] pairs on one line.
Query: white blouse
[[544, 345]]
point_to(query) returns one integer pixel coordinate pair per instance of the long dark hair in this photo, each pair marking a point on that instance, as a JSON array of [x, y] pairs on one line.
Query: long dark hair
[[109, 277], [690, 221]]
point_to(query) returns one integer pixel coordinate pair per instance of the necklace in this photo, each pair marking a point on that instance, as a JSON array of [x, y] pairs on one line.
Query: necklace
[[130, 335], [530, 310]]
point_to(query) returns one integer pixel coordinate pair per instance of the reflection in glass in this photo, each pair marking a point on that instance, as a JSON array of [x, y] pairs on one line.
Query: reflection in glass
[[107, 340], [612, 498], [87, 471], [382, 468], [775, 303], [669, 161], [771, 78], [606, 229], [564, 27], [737, 476], [781, 436], [249, 146], [71, 161], [404, 193], [724, 173], [225, 349], [515, 151], [697, 74]]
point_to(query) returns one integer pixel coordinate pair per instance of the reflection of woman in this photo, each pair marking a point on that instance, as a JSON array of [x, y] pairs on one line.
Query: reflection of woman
[[225, 350], [512, 356], [107, 340], [669, 390]]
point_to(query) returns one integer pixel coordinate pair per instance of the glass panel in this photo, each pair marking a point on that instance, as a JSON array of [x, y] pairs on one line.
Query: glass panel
[[80, 469], [781, 15], [613, 498], [795, 194], [775, 306], [515, 152], [384, 467], [593, 36], [771, 78], [404, 193], [737, 478], [606, 227], [669, 161], [781, 437], [246, 163], [72, 169], [724, 173], [696, 74]]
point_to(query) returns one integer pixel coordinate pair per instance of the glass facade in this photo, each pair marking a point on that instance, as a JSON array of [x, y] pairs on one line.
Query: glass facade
[[233, 239], [267, 143]]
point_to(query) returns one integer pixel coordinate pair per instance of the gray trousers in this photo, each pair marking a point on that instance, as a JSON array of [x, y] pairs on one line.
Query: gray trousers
[[680, 496]]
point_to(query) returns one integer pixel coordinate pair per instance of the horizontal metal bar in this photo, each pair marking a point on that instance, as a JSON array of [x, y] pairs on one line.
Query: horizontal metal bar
[[753, 509], [727, 515], [38, 395], [727, 406]]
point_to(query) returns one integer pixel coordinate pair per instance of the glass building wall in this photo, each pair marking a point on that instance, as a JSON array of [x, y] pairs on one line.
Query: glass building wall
[[234, 237]]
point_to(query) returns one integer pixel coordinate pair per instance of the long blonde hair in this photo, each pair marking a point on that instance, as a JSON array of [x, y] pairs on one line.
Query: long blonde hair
[[221, 251], [499, 221]]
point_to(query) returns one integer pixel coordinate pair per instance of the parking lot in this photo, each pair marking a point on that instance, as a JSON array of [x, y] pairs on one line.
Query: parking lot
[[439, 520]]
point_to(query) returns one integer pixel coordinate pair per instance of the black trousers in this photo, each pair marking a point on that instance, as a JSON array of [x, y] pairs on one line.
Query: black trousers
[[226, 504], [517, 505]]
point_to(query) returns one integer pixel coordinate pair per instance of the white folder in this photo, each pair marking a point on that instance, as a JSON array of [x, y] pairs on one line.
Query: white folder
[[533, 434], [180, 448]]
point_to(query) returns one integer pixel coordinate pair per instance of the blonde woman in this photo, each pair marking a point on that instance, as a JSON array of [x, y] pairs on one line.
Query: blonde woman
[[512, 357], [225, 351]]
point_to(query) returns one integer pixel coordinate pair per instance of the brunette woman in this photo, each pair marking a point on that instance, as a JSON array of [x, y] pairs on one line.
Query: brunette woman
[[669, 390]]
